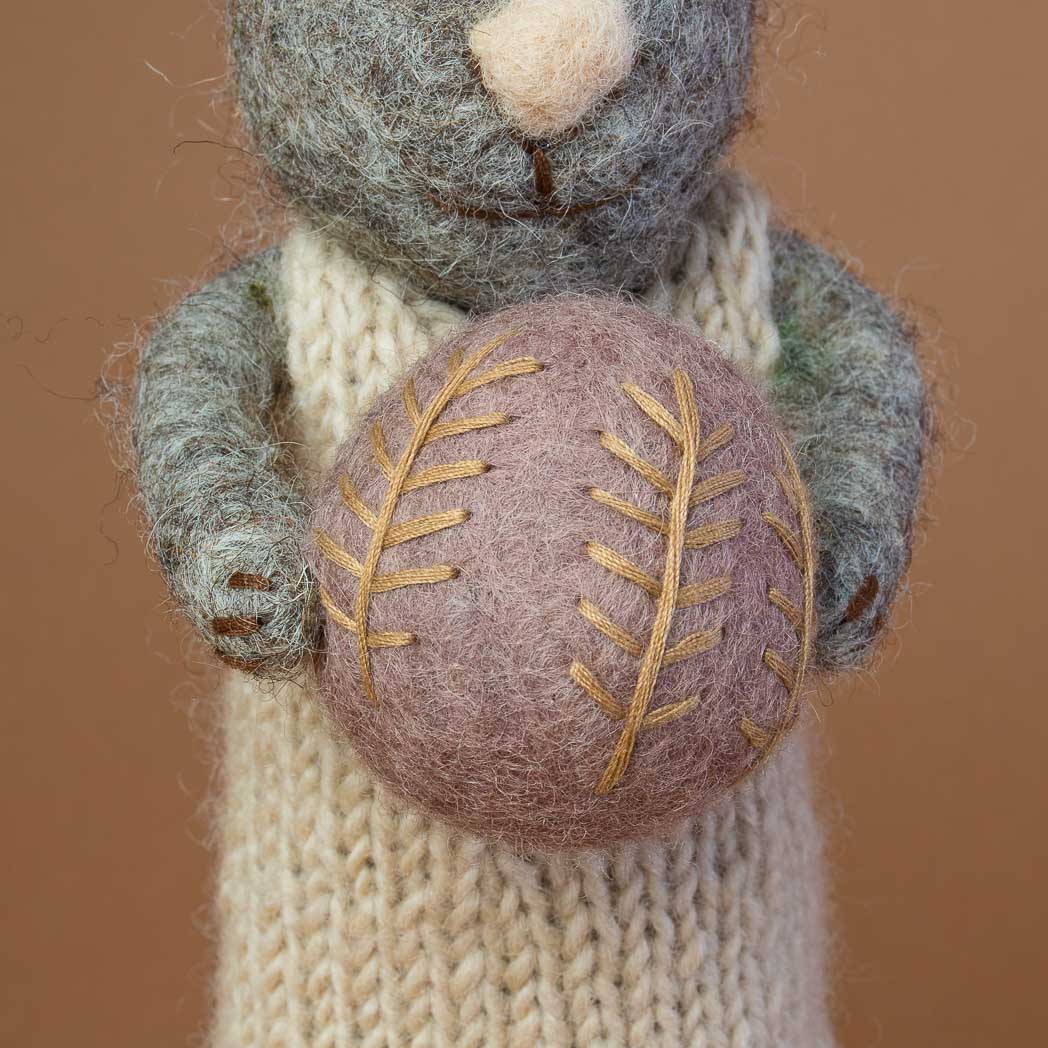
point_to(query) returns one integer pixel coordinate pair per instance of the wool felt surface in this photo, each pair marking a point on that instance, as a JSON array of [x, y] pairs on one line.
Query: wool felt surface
[[215, 481], [480, 720], [222, 497], [345, 915], [227, 512], [862, 418], [547, 63], [374, 121]]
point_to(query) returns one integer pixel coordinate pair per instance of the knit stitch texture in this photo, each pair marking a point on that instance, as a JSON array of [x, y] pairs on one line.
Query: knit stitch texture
[[347, 921]]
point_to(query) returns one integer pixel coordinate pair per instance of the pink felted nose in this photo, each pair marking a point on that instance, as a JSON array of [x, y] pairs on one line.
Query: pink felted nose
[[547, 63]]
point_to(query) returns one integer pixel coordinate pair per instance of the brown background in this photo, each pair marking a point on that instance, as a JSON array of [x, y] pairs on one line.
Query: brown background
[[911, 132]]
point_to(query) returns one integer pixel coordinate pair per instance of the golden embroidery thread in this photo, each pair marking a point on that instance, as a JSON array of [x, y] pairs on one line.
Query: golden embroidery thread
[[800, 545], [428, 428], [668, 592]]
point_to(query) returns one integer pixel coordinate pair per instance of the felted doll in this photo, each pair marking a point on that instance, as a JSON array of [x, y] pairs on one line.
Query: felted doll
[[659, 430]]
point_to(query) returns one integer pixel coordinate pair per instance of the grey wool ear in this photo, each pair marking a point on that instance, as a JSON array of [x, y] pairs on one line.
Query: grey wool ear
[[852, 393], [227, 521]]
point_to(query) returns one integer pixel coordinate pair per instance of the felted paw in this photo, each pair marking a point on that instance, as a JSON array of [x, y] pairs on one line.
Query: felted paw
[[255, 600], [856, 586]]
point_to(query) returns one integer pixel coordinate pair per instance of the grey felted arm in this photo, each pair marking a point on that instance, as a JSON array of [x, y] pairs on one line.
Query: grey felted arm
[[851, 391], [227, 518]]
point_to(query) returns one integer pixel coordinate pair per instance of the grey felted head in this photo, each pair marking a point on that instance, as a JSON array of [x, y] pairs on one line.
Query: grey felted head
[[500, 150], [568, 576]]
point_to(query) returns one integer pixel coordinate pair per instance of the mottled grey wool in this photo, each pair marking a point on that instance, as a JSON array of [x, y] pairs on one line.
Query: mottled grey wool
[[214, 481], [366, 110], [373, 119], [854, 399], [848, 386], [479, 723]]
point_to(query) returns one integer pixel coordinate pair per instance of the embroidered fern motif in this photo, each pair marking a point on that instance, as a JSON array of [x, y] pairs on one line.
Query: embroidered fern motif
[[669, 593], [800, 546], [427, 429]]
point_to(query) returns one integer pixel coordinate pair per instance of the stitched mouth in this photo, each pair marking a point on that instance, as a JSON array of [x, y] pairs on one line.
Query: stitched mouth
[[546, 204], [544, 209]]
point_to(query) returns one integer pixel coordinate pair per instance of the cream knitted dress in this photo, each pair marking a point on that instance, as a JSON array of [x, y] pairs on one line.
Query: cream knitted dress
[[348, 921]]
